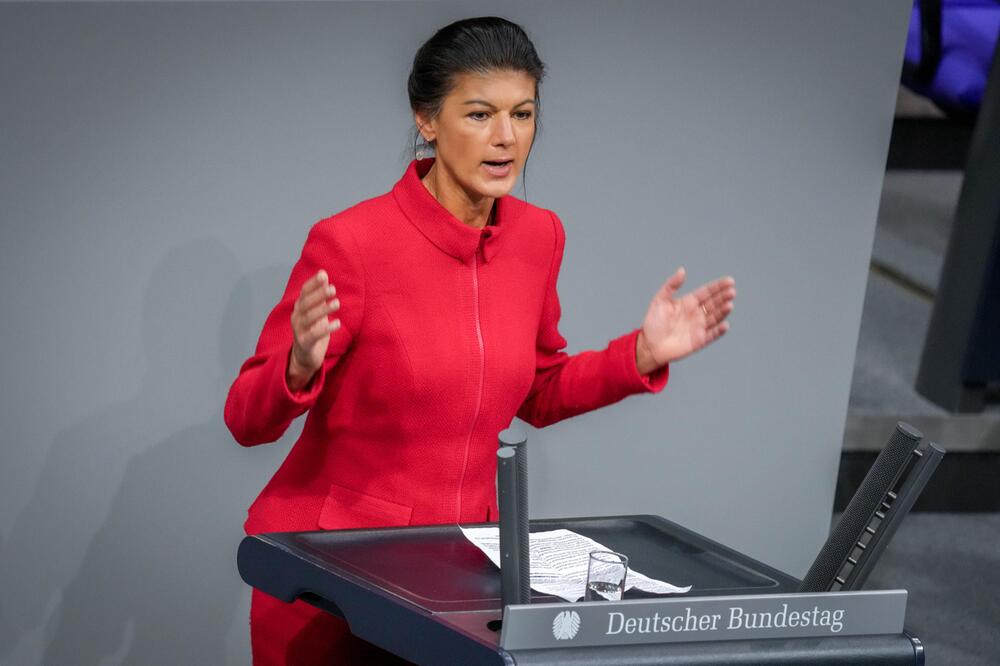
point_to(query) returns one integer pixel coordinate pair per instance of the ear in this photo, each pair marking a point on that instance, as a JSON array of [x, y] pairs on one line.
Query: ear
[[425, 127]]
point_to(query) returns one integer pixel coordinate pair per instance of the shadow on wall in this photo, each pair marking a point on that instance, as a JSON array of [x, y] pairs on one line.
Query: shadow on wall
[[157, 582]]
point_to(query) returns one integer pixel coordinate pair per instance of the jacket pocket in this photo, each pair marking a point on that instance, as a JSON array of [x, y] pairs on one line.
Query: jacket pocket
[[344, 509]]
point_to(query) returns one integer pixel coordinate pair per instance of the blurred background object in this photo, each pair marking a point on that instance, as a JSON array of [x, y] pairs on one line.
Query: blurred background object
[[949, 50], [929, 345]]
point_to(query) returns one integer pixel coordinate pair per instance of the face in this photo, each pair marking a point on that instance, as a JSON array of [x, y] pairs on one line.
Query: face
[[485, 118]]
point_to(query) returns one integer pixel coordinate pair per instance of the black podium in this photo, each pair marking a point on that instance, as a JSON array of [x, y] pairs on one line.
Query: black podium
[[430, 596]]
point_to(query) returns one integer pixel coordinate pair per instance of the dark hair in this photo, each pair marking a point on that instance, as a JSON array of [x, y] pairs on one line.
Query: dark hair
[[480, 45]]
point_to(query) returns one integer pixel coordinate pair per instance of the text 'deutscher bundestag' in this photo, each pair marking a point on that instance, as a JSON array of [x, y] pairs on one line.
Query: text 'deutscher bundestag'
[[688, 619]]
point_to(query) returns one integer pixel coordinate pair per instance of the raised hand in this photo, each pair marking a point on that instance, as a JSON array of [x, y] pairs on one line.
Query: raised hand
[[675, 327], [311, 328]]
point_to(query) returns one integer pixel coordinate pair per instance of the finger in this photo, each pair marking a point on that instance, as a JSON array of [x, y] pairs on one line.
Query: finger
[[310, 286], [323, 327], [303, 319], [717, 315], [718, 331], [315, 294], [713, 315], [720, 300], [320, 310], [710, 303], [722, 283], [706, 292], [715, 287], [703, 294], [672, 284], [319, 330]]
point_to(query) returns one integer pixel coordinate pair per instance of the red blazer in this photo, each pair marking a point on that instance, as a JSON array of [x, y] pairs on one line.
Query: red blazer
[[447, 333]]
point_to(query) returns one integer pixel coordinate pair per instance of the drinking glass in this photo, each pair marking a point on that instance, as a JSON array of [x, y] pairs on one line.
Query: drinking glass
[[606, 571]]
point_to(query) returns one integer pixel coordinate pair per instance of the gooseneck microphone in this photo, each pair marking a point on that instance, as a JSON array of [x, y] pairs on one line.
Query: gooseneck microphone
[[512, 498], [886, 495], [516, 437], [514, 575]]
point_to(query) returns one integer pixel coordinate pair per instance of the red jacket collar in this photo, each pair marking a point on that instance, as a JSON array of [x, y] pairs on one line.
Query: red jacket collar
[[443, 229]]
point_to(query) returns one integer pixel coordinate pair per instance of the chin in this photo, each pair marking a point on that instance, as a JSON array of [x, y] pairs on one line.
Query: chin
[[497, 190]]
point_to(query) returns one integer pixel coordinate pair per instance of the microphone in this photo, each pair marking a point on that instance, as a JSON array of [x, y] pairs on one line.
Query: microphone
[[514, 572], [886, 495]]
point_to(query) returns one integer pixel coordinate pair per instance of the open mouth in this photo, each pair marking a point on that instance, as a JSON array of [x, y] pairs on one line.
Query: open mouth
[[499, 164]]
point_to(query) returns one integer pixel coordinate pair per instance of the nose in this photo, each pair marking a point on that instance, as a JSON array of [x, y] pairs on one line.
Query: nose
[[503, 131]]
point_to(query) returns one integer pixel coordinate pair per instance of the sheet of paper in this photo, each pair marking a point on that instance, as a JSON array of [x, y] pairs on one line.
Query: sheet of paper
[[559, 562]]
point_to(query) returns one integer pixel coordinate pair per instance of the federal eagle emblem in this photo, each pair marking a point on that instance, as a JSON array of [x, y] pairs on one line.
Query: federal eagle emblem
[[565, 625]]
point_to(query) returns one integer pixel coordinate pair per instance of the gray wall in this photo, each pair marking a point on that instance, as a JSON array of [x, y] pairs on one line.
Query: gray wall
[[161, 164]]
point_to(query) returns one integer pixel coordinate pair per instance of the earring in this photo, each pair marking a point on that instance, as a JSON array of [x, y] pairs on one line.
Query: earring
[[424, 148]]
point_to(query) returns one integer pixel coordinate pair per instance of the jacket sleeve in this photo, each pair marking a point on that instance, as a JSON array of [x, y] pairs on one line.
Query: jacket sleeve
[[260, 406], [565, 385]]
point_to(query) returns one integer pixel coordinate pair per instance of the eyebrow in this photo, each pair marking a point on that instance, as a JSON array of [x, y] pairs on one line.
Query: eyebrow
[[485, 103]]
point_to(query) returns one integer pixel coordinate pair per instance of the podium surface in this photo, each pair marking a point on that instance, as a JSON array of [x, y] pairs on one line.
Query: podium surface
[[429, 595]]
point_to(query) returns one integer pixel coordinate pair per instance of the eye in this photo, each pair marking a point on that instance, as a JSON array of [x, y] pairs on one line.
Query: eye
[[478, 115], [523, 115]]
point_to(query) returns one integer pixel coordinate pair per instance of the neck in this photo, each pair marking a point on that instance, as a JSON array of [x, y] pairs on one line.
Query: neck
[[476, 212]]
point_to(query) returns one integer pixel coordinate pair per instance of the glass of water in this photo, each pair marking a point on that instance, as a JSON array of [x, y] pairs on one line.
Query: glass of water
[[606, 571]]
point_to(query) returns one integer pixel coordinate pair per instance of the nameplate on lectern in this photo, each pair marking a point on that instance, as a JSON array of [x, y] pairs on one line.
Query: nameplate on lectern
[[689, 619]]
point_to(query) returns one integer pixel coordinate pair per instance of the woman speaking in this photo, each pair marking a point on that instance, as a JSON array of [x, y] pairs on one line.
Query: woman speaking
[[417, 324]]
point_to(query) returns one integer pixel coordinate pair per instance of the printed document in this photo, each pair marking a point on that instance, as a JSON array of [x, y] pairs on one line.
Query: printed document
[[559, 562]]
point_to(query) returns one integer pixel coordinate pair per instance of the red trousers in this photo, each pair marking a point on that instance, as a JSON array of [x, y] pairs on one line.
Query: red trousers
[[298, 634]]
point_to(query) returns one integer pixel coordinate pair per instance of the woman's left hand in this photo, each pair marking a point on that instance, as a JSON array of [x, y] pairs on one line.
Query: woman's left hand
[[676, 327]]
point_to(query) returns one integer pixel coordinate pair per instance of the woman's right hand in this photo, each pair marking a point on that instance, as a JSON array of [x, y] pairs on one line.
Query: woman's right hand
[[311, 328]]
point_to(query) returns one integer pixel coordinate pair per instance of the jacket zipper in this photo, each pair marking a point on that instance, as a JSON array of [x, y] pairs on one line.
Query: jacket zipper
[[482, 377]]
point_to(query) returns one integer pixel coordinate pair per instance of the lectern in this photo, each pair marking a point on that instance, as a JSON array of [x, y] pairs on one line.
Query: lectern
[[430, 596]]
